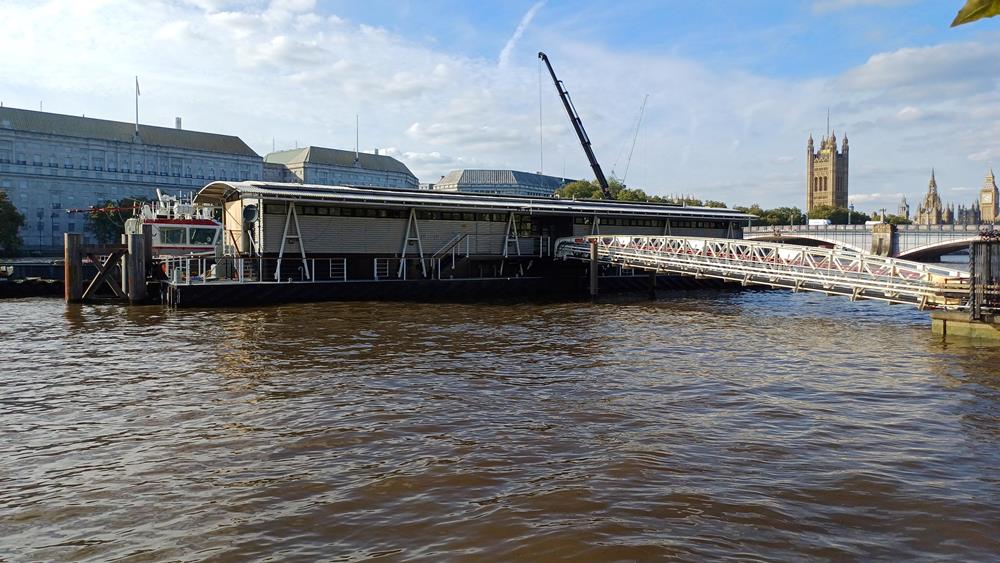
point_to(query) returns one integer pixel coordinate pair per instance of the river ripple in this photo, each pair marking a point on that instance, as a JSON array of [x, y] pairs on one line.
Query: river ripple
[[702, 426]]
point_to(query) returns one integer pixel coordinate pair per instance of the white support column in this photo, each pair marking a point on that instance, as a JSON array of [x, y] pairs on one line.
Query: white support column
[[302, 245], [412, 235], [511, 235], [291, 218], [595, 226], [284, 238]]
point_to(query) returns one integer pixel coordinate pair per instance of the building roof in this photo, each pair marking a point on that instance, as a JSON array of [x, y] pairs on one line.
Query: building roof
[[218, 192], [487, 178], [337, 157], [119, 131]]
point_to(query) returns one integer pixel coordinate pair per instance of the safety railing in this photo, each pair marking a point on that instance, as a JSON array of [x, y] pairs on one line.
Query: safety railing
[[801, 268], [192, 270]]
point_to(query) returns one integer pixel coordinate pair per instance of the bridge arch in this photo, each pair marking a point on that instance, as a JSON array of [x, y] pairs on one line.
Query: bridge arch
[[937, 249], [802, 239]]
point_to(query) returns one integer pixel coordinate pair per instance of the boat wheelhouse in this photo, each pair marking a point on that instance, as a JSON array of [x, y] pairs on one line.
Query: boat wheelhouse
[[180, 227]]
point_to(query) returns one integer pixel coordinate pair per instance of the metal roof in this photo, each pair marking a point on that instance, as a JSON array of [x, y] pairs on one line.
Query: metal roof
[[337, 157], [459, 179], [119, 131], [218, 192]]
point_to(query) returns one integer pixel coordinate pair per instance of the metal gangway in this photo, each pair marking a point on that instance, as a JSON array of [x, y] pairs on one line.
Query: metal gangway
[[834, 271]]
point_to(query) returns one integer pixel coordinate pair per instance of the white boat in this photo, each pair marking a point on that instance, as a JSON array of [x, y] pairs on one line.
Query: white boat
[[179, 226]]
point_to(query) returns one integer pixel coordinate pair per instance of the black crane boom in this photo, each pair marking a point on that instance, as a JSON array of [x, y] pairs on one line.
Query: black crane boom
[[580, 131]]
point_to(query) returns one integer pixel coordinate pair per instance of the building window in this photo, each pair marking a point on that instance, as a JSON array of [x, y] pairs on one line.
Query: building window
[[70, 226], [20, 158], [84, 165]]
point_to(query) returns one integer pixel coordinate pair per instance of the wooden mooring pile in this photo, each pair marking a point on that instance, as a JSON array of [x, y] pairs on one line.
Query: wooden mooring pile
[[124, 268]]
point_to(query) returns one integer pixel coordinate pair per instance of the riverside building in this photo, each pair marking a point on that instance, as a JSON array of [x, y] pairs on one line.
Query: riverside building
[[500, 182], [52, 162], [325, 166]]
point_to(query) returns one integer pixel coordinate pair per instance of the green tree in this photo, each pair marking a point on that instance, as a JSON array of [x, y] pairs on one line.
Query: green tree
[[839, 215], [716, 204], [580, 189], [107, 220], [897, 219], [10, 221]]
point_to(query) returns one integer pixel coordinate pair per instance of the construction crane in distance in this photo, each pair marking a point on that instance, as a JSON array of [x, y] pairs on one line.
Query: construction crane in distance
[[638, 123], [580, 131]]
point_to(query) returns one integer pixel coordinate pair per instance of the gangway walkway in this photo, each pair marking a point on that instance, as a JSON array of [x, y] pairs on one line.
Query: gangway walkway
[[834, 271]]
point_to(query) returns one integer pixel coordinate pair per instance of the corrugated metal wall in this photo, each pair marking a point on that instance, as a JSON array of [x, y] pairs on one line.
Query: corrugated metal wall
[[370, 235]]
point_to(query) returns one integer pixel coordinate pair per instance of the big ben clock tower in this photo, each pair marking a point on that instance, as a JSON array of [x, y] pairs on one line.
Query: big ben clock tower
[[988, 203]]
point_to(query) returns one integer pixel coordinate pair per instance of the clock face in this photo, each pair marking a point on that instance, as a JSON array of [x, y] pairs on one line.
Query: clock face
[[988, 197]]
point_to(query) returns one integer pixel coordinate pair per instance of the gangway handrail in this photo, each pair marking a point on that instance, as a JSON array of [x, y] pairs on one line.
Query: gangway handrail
[[858, 275]]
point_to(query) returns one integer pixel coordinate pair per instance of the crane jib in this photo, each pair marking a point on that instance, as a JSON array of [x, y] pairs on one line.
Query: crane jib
[[574, 118]]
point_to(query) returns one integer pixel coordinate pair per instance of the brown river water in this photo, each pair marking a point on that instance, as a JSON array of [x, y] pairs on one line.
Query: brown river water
[[702, 426]]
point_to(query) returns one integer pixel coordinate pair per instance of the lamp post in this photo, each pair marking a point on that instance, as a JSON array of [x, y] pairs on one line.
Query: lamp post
[[850, 212]]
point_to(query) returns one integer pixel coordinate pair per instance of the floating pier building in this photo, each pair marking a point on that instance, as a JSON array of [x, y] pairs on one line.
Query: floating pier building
[[299, 242]]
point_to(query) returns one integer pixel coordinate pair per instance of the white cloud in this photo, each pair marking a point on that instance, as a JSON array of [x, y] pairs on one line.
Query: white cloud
[[858, 199], [290, 72], [504, 57]]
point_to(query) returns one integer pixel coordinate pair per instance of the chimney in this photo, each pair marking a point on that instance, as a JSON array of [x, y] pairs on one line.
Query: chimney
[[177, 123], [376, 151]]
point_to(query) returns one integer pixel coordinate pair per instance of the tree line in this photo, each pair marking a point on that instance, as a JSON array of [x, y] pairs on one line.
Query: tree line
[[590, 189]]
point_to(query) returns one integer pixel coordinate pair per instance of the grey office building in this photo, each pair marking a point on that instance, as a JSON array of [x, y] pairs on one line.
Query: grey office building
[[320, 165], [51, 162]]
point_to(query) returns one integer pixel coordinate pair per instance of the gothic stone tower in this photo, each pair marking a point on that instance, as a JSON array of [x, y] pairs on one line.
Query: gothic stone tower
[[930, 211], [989, 208], [826, 173]]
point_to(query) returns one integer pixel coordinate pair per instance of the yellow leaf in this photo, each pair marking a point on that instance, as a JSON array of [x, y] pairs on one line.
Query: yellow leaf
[[977, 10]]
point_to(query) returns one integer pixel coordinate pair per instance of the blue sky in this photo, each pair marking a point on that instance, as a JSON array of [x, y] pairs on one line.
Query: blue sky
[[735, 87]]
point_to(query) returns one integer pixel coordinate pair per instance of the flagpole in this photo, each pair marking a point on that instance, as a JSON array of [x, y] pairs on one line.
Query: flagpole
[[137, 106]]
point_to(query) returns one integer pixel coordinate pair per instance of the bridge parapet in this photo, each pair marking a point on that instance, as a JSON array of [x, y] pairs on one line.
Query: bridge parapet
[[907, 241]]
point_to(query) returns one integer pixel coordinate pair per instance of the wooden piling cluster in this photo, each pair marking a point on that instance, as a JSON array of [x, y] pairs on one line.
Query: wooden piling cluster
[[132, 260]]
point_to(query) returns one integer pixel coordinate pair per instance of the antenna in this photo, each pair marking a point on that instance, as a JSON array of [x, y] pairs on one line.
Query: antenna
[[638, 123], [357, 136]]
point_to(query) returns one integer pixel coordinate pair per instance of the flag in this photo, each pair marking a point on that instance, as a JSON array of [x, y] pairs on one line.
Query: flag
[[136, 85]]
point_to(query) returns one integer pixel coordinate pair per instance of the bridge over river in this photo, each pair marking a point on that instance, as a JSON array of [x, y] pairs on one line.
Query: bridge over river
[[912, 242], [834, 271]]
